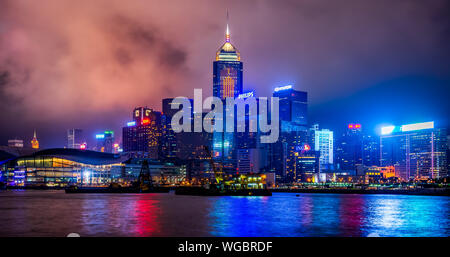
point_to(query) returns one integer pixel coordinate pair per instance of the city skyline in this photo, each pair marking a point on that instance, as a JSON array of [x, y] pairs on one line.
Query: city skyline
[[239, 122], [404, 93]]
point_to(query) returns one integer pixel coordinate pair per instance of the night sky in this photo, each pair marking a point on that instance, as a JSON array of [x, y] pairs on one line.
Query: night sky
[[87, 64]]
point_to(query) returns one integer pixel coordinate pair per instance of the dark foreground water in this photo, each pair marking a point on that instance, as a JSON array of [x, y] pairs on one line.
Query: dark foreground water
[[54, 213]]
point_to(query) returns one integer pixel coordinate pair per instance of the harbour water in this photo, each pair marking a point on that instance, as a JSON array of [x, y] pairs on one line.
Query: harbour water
[[54, 213]]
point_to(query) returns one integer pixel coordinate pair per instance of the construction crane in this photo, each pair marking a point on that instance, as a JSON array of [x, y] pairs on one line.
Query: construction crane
[[144, 181]]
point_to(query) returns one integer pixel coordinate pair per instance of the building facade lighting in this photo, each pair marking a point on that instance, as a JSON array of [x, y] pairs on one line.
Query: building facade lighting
[[387, 130], [277, 89], [417, 126]]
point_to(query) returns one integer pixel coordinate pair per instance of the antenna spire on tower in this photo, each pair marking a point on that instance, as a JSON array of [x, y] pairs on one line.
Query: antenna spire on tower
[[227, 36]]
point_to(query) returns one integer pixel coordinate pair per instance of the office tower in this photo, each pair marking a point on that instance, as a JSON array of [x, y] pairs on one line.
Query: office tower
[[371, 150], [34, 141], [100, 142], [323, 143], [105, 142], [293, 105], [448, 154], [191, 145], [227, 70], [141, 137], [15, 143], [227, 82], [74, 138], [169, 140], [349, 147], [306, 165], [108, 142], [183, 145], [251, 154], [417, 151], [294, 134]]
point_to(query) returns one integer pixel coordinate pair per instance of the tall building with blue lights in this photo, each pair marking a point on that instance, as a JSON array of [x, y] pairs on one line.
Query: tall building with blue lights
[[292, 147], [349, 148], [323, 143], [293, 105], [227, 70], [417, 151], [227, 82]]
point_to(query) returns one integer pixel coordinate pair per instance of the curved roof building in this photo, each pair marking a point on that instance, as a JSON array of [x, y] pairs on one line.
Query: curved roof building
[[61, 167], [81, 156]]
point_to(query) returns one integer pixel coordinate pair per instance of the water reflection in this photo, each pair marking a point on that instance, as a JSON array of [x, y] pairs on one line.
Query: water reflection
[[351, 215], [53, 213], [331, 215], [146, 213]]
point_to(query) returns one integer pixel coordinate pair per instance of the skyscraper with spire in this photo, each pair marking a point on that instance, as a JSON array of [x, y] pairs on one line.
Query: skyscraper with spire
[[227, 70], [34, 141], [227, 82]]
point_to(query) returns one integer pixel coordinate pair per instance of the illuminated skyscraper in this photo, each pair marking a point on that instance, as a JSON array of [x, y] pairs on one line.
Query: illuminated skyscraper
[[105, 142], [34, 141], [169, 139], [227, 82], [293, 105], [141, 137], [74, 138], [323, 143], [371, 150], [109, 141], [417, 151], [293, 139], [227, 70], [349, 148]]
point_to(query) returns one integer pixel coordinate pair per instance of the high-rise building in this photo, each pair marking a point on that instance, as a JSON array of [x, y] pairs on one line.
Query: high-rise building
[[323, 143], [417, 151], [293, 138], [105, 142], [34, 141], [251, 154], [306, 165], [371, 150], [448, 154], [169, 141], [141, 137], [293, 105], [191, 145], [183, 145], [348, 153], [227, 82], [227, 70], [75, 138], [108, 141]]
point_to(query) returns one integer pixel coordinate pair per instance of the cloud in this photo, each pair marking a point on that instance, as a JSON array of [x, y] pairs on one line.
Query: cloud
[[86, 63]]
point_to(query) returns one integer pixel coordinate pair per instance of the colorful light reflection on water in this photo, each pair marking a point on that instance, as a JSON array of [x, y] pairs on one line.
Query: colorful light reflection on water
[[53, 213]]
